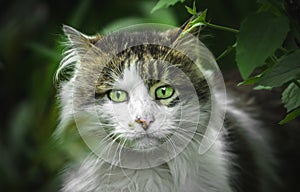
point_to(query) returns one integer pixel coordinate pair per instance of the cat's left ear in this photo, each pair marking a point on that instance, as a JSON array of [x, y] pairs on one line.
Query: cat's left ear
[[79, 41]]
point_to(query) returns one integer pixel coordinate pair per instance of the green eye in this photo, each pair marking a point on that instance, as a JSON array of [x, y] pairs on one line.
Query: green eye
[[117, 95], [164, 92]]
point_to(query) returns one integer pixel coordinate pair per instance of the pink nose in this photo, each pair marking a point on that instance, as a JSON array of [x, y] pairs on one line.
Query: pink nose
[[145, 122]]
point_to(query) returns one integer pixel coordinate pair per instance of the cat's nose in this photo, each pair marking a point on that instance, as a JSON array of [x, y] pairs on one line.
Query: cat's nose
[[145, 122]]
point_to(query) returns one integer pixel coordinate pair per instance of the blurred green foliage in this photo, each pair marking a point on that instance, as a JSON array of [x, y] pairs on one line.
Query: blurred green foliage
[[264, 54], [30, 52]]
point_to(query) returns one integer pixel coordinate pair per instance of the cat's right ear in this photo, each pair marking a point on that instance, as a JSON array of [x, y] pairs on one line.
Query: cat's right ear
[[79, 41]]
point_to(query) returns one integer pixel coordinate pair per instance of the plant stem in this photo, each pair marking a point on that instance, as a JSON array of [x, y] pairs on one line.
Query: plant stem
[[226, 52], [297, 83], [274, 60], [221, 27], [284, 50]]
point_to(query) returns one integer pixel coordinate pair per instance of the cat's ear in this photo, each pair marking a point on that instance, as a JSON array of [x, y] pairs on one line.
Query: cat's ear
[[78, 47], [79, 41]]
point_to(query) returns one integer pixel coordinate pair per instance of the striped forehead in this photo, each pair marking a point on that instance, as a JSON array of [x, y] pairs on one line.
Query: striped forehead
[[136, 72], [129, 79], [151, 63]]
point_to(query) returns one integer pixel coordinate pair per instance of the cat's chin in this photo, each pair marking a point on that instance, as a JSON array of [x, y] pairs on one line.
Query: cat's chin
[[146, 142]]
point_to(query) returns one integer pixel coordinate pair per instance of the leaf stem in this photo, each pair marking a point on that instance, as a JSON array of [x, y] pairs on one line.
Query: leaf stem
[[226, 52], [284, 50], [221, 27], [274, 60], [297, 83]]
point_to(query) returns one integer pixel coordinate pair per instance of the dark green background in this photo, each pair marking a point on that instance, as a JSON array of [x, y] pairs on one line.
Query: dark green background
[[30, 51]]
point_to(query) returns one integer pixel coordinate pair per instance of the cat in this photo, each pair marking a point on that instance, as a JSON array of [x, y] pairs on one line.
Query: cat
[[152, 109]]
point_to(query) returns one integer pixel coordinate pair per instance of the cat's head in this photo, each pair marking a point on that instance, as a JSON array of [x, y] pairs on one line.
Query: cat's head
[[138, 89]]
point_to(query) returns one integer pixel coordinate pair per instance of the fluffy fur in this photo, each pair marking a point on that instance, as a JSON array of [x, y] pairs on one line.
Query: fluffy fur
[[85, 106]]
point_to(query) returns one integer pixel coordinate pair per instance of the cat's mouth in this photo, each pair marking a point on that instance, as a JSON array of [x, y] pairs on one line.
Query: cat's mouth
[[141, 141]]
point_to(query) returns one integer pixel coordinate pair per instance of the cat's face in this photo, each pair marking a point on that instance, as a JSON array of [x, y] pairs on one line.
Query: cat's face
[[141, 111], [144, 89], [142, 101]]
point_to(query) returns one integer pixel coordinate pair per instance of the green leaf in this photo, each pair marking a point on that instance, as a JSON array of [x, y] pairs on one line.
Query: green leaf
[[169, 17], [202, 16], [260, 35], [200, 19], [270, 5], [292, 115], [291, 97], [250, 81], [164, 4], [190, 10], [287, 69], [194, 7]]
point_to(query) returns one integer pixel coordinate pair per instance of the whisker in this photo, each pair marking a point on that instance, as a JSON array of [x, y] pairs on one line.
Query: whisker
[[187, 131], [188, 121], [122, 169], [183, 137], [112, 165]]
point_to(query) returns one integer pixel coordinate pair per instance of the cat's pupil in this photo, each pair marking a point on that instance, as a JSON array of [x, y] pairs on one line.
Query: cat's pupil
[[163, 90], [118, 94]]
